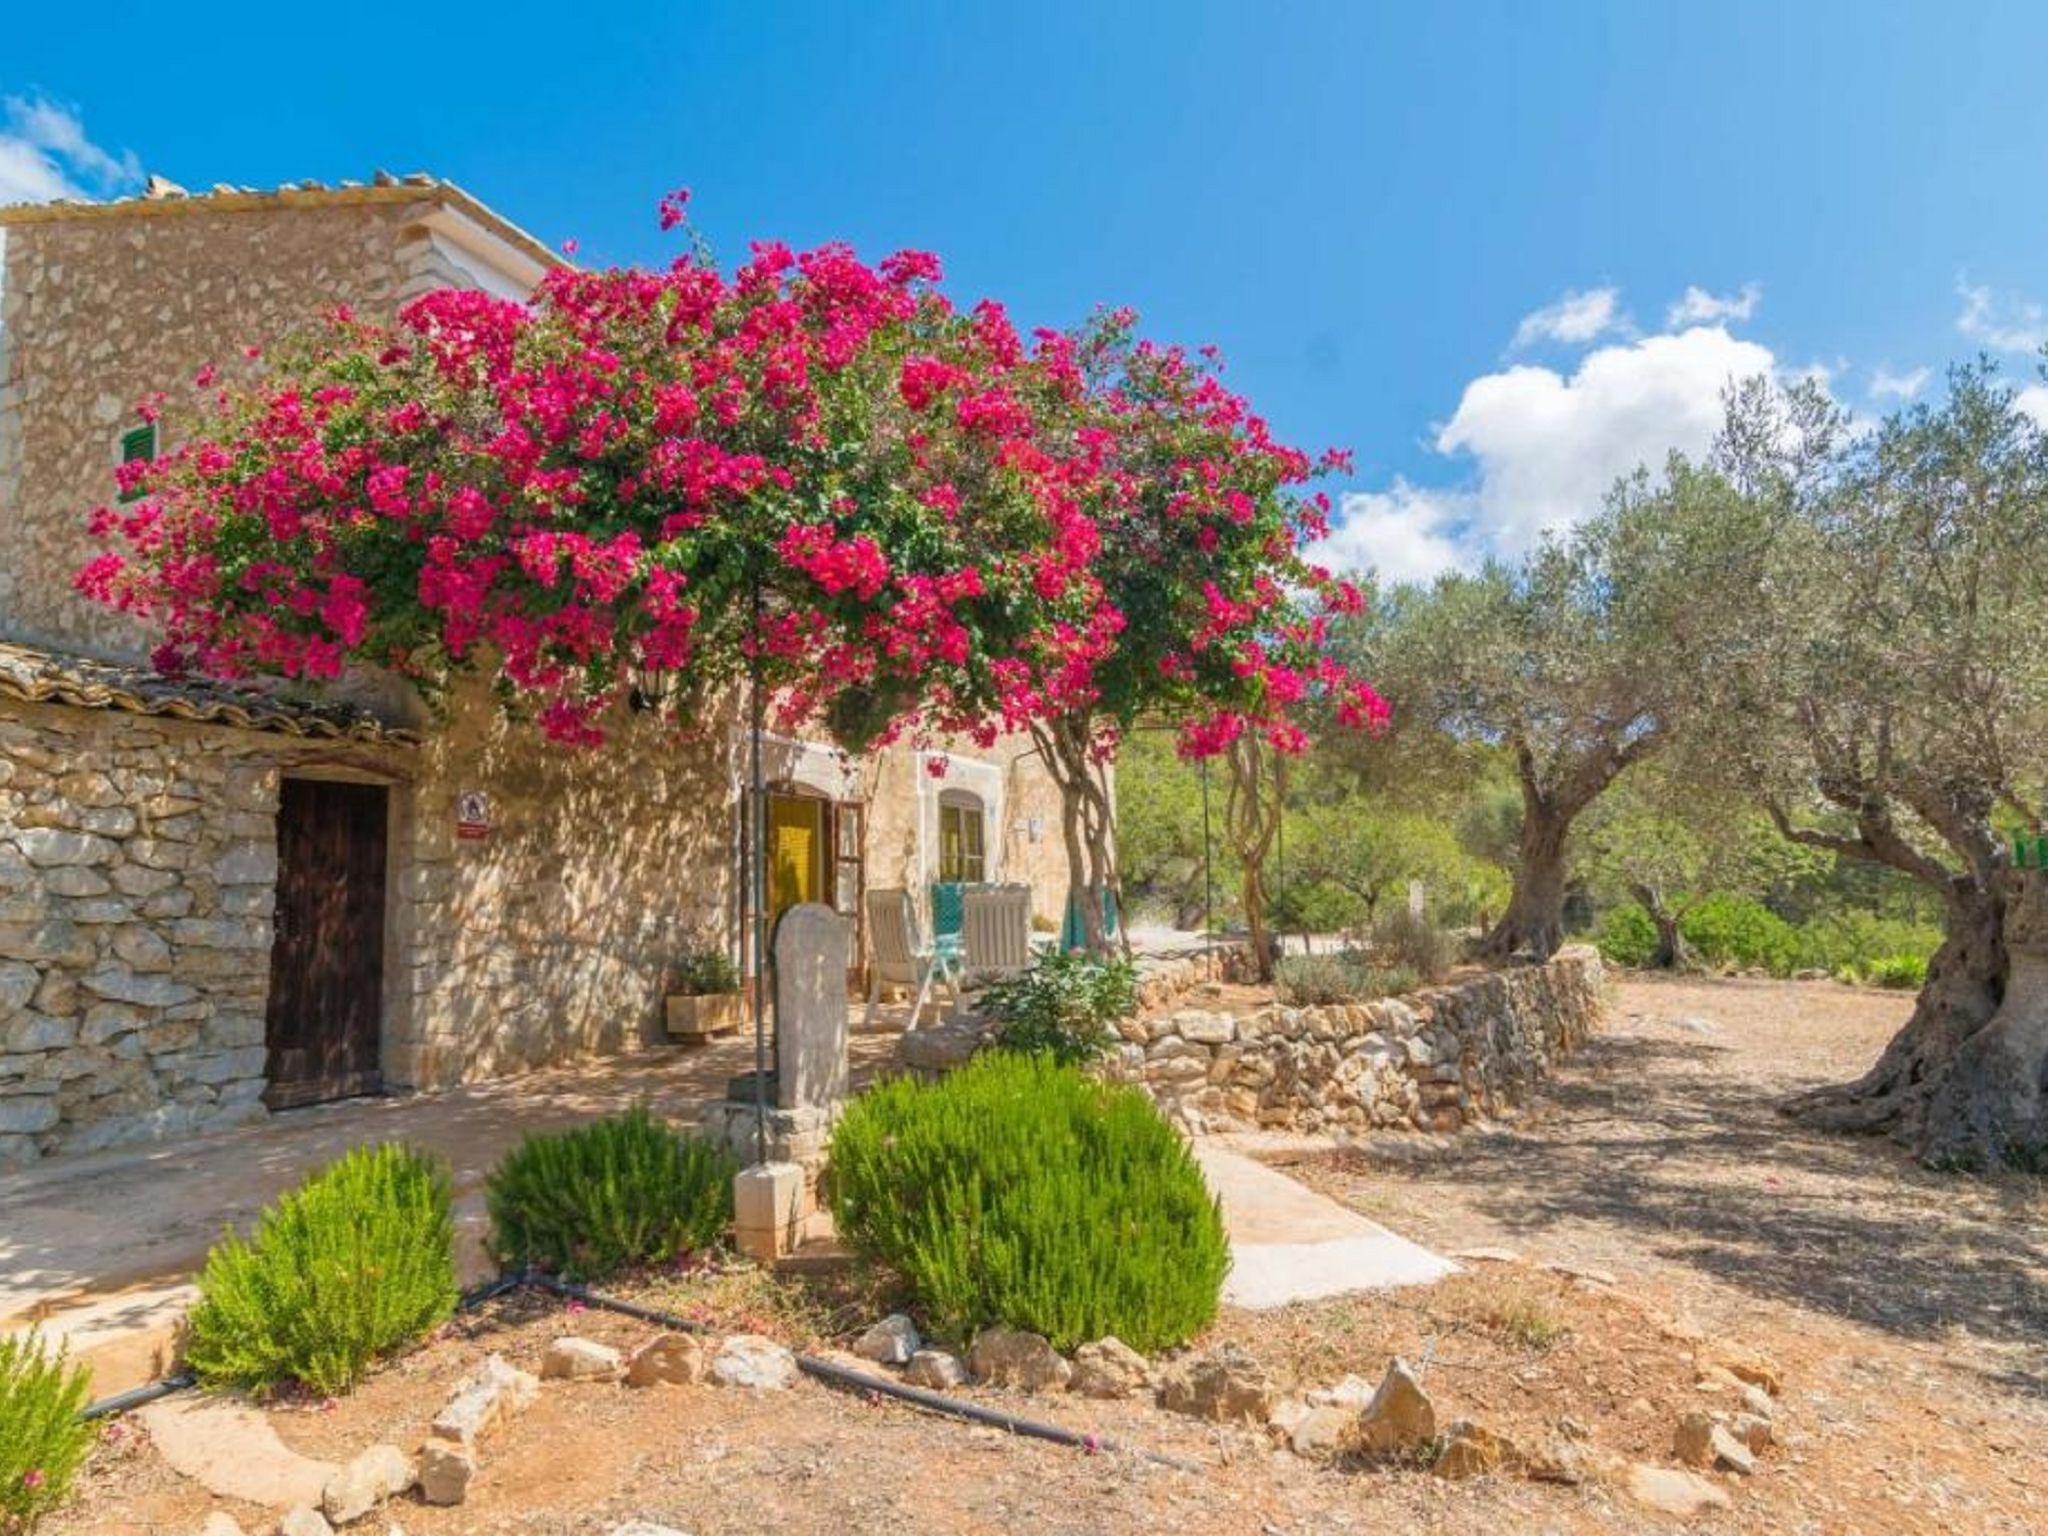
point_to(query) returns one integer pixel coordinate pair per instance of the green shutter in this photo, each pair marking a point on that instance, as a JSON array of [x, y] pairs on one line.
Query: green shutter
[[137, 443]]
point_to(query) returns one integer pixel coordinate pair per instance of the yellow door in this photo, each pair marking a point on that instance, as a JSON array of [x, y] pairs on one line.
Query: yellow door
[[796, 845]]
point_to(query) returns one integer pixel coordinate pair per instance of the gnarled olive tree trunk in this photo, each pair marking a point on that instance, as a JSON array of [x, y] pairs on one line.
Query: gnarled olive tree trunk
[[1533, 923], [1965, 1081], [1672, 953]]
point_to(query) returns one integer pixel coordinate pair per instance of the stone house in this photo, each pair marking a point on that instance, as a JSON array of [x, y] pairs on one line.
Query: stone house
[[218, 902]]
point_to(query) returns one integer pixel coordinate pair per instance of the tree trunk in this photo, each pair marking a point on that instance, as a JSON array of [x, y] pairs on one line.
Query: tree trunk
[[1965, 1082], [1672, 952], [1252, 809], [1533, 923], [1087, 822]]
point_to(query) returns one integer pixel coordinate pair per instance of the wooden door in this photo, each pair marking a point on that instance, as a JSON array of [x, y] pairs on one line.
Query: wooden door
[[327, 956], [796, 852]]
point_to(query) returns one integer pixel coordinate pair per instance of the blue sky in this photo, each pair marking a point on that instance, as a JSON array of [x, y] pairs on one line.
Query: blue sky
[[1458, 239]]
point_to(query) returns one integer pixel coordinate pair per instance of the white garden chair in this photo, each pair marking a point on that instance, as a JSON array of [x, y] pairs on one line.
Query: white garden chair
[[898, 958], [996, 931]]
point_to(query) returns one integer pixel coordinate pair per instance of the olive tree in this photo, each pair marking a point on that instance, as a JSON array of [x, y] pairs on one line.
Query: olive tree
[[1890, 705], [1578, 661]]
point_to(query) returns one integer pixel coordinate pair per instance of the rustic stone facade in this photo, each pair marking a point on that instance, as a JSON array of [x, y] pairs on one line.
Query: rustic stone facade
[[1438, 1060], [139, 854]]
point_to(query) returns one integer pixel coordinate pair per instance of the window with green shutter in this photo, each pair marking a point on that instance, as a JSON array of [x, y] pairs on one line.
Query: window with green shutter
[[137, 443]]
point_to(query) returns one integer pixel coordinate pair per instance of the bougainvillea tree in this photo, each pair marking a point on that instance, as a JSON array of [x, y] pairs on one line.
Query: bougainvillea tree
[[899, 516]]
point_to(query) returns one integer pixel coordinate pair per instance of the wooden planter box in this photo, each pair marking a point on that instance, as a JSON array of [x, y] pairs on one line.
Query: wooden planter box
[[709, 1014]]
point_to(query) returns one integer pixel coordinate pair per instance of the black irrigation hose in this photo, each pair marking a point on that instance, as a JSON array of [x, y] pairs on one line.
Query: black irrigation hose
[[135, 1397], [882, 1386], [823, 1370]]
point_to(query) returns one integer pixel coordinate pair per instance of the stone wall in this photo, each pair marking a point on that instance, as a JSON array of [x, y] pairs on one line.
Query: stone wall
[[138, 864], [1437, 1060], [96, 313]]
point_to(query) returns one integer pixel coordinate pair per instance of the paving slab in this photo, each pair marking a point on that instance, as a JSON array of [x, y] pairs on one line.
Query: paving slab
[[1290, 1244], [232, 1452]]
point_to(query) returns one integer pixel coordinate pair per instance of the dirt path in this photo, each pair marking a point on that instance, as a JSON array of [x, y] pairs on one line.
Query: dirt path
[[1911, 1308]]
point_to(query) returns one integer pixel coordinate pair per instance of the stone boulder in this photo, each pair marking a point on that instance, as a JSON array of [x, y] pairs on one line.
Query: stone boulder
[[498, 1388], [1110, 1368], [748, 1360], [1011, 1357], [445, 1471], [304, 1521], [675, 1359], [1671, 1490], [892, 1341], [935, 1370], [382, 1472], [1702, 1440], [573, 1359], [1473, 1450], [1226, 1385], [1400, 1416]]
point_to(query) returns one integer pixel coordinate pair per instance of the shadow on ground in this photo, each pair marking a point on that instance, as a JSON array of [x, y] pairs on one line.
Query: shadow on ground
[[1653, 1139]]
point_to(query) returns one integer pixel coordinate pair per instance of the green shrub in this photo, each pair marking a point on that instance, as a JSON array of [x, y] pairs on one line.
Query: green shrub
[[1854, 940], [1626, 935], [1020, 1192], [587, 1202], [358, 1261], [1065, 1006], [42, 1439], [1735, 933], [1906, 973], [1348, 976], [705, 973], [1401, 941]]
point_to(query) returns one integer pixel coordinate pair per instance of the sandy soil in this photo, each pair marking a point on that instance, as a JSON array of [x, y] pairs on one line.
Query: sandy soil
[[1907, 1312]]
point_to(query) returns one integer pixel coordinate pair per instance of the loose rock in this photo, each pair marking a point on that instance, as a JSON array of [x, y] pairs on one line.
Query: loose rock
[[1226, 1384], [573, 1359], [304, 1521], [935, 1370], [676, 1359], [1321, 1430], [1010, 1357], [1400, 1415], [748, 1360], [1473, 1450], [1703, 1441], [1110, 1368], [1753, 1430], [1671, 1490], [380, 1473], [497, 1388], [892, 1341], [445, 1471], [1353, 1392]]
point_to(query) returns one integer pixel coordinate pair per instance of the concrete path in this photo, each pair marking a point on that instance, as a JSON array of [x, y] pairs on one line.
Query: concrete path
[[1290, 1244]]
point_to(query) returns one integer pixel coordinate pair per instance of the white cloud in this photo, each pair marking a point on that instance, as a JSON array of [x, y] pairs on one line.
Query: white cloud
[[1406, 532], [2011, 325], [1886, 385], [1696, 306], [2034, 401], [1548, 446], [1577, 317], [44, 155], [1545, 447]]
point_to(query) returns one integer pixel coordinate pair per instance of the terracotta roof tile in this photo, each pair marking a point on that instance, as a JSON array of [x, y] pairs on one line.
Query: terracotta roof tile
[[34, 676]]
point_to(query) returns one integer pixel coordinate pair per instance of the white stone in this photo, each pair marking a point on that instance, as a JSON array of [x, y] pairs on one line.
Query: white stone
[[573, 1359], [935, 1370], [497, 1388], [1206, 1028], [46, 846], [446, 1468], [748, 1360], [892, 1341], [379, 1473], [304, 1521]]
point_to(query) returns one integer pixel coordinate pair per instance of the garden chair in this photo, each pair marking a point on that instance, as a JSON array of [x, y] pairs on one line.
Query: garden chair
[[996, 931], [896, 958]]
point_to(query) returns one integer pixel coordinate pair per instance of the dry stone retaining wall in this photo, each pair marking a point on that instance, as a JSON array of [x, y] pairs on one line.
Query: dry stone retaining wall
[[1437, 1060]]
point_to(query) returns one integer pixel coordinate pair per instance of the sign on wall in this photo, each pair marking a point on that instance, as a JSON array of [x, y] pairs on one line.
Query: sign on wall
[[472, 815]]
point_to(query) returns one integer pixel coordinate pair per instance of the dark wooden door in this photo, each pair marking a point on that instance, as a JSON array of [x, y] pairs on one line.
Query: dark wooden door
[[327, 956]]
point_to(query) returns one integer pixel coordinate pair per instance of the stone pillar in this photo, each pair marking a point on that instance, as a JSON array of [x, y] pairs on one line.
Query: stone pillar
[[810, 1008]]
